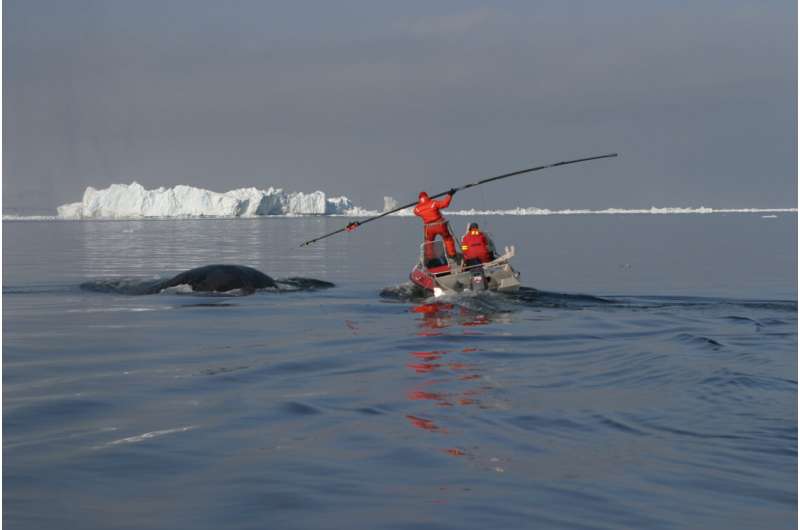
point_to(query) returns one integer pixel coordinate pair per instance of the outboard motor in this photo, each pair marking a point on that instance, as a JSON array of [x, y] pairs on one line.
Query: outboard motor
[[478, 281]]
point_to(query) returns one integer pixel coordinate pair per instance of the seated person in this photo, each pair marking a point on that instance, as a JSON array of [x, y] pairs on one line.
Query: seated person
[[476, 247]]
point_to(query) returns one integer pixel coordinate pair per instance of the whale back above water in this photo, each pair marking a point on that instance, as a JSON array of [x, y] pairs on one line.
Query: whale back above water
[[208, 279], [221, 278]]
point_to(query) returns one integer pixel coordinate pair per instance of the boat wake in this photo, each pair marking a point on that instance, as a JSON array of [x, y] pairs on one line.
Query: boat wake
[[489, 302], [527, 296]]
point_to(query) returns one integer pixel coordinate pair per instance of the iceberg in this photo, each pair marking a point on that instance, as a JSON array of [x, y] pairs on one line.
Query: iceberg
[[389, 203], [133, 201]]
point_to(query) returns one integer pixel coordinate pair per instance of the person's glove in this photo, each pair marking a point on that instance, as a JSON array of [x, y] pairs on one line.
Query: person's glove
[[452, 191], [352, 226]]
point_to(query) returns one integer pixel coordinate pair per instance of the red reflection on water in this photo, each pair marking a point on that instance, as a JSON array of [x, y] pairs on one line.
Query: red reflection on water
[[440, 398], [435, 316], [428, 355], [424, 368], [439, 315], [423, 423], [476, 320], [434, 307], [352, 326], [457, 379], [419, 394]]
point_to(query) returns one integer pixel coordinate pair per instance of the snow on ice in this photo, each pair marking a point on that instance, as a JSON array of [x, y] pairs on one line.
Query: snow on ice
[[133, 201]]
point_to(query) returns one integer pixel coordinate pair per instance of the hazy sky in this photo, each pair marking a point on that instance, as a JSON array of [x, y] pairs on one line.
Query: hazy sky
[[368, 98]]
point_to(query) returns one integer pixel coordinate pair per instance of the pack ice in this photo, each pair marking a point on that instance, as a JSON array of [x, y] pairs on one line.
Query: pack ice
[[133, 201]]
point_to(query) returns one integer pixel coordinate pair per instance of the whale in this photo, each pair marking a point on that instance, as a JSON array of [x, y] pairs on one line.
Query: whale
[[220, 278]]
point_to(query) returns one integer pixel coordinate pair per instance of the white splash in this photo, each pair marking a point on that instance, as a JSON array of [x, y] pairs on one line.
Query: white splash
[[147, 436], [182, 288]]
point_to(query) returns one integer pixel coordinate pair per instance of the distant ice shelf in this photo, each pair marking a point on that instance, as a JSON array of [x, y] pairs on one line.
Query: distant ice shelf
[[653, 210], [134, 201]]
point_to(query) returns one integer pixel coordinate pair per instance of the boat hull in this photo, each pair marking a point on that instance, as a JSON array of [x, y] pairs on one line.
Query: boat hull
[[497, 275]]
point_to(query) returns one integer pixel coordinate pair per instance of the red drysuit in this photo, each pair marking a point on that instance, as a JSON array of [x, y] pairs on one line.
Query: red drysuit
[[475, 246], [435, 224]]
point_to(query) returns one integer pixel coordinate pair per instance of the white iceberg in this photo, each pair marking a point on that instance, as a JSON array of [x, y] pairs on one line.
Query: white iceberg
[[390, 203], [133, 201]]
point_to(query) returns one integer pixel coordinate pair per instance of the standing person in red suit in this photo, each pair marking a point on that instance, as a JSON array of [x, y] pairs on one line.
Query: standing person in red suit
[[435, 223]]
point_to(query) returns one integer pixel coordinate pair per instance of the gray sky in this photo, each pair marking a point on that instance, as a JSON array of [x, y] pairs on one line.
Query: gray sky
[[367, 99]]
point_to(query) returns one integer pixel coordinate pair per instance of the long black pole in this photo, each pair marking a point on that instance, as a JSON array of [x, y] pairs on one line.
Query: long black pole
[[355, 224]]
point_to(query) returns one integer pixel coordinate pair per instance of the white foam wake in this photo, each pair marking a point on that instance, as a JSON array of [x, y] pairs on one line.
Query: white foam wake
[[146, 436]]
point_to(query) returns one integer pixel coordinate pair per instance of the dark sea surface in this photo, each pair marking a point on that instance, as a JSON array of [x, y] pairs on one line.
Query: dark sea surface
[[649, 382]]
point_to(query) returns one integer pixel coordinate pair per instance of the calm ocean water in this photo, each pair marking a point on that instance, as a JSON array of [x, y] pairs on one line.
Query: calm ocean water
[[653, 384]]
